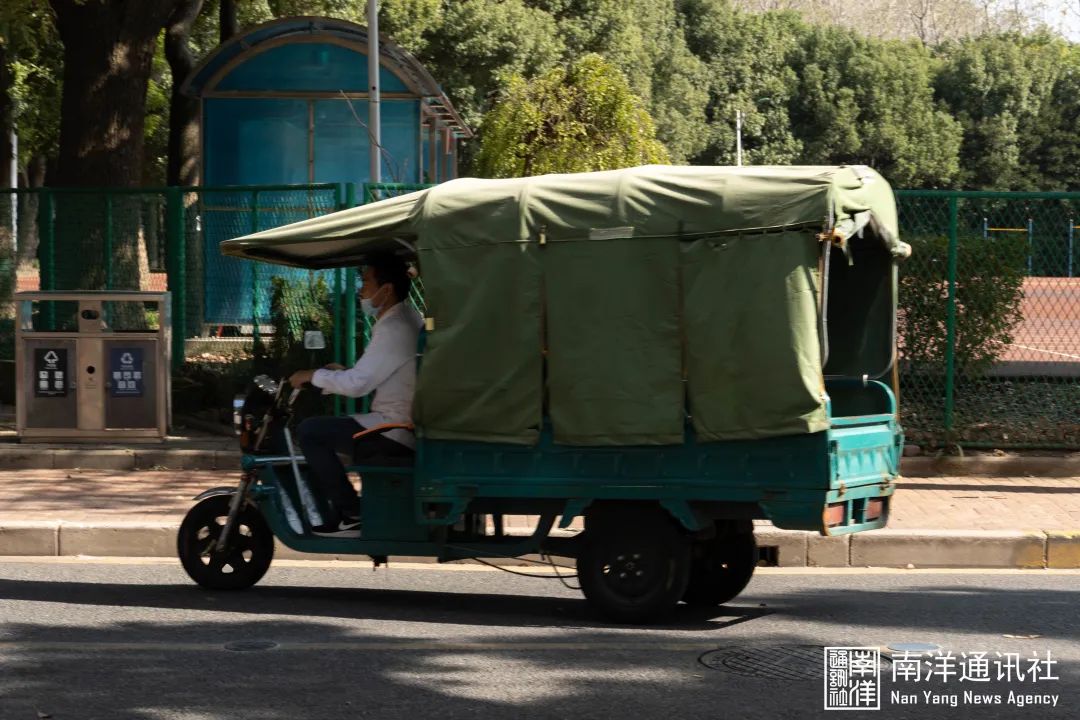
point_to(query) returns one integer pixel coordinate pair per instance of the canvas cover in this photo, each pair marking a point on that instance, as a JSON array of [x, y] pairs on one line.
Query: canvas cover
[[616, 303]]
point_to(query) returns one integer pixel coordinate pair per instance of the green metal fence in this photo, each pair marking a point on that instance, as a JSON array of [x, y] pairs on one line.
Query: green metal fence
[[990, 319], [989, 326]]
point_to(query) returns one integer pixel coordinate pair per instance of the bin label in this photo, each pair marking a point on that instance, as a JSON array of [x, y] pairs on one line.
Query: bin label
[[50, 372], [126, 372]]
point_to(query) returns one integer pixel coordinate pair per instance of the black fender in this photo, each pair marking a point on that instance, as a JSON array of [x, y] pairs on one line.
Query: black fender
[[214, 492]]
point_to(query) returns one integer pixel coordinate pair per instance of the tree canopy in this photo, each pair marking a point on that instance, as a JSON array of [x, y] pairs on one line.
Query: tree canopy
[[933, 93], [574, 119]]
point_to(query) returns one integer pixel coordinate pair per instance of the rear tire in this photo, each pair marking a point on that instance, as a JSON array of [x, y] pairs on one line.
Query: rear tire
[[722, 567], [247, 554], [634, 563]]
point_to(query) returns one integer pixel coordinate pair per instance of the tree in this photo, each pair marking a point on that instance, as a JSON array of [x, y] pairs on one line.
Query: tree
[[870, 102], [109, 48], [748, 58], [183, 152], [574, 119], [646, 41], [996, 86]]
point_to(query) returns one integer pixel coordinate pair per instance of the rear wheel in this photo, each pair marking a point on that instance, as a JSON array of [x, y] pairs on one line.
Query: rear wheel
[[722, 566], [634, 563], [248, 550]]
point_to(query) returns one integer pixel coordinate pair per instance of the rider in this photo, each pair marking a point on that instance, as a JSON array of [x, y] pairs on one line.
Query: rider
[[387, 368]]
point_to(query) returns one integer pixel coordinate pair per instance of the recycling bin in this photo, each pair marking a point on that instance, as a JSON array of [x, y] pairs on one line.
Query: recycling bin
[[92, 366]]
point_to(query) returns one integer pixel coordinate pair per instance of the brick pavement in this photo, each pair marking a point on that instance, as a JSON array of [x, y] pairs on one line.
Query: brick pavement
[[943, 503]]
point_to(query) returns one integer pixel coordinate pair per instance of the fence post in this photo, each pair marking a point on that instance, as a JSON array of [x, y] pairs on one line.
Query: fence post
[[1072, 230], [255, 341], [349, 299], [176, 267], [108, 240], [47, 252], [950, 317], [340, 203]]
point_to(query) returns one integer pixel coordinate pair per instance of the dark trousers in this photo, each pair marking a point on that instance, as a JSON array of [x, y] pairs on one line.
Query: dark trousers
[[321, 439]]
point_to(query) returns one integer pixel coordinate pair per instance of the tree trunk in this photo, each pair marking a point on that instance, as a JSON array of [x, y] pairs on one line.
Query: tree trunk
[[32, 177], [108, 53], [227, 23], [183, 162]]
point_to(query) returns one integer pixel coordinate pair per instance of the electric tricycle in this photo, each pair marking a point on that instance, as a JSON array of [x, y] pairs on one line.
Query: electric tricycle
[[670, 353]]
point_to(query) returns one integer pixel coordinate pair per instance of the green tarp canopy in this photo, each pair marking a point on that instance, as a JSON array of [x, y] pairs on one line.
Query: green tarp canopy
[[619, 303]]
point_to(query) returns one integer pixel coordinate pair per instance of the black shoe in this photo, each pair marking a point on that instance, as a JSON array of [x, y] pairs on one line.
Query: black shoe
[[346, 527]]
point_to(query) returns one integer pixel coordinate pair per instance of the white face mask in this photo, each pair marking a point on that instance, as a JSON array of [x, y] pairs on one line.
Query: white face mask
[[368, 307]]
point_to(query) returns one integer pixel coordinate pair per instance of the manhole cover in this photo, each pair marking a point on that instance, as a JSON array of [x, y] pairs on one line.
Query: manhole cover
[[781, 662], [250, 645]]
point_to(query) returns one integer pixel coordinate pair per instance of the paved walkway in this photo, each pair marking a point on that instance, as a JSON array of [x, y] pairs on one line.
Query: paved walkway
[[943, 503]]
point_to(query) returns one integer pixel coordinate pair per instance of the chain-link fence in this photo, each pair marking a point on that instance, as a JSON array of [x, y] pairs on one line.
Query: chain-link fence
[[231, 318], [990, 319]]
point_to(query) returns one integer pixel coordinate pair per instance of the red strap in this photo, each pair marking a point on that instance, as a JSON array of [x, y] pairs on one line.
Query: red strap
[[381, 428]]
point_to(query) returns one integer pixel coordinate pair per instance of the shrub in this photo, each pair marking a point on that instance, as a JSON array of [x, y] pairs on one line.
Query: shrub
[[989, 291], [305, 304]]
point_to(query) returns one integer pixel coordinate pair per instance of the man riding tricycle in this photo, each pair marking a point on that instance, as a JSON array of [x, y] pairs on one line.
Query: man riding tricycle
[[668, 352]]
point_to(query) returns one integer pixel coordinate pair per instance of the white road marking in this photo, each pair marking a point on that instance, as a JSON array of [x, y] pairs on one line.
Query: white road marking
[[1048, 352]]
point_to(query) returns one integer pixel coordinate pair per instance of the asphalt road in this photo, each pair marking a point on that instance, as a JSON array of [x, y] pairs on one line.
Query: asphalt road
[[134, 639]]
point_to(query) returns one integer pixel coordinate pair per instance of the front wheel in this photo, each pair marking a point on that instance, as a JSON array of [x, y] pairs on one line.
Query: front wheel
[[248, 550], [722, 567], [634, 564]]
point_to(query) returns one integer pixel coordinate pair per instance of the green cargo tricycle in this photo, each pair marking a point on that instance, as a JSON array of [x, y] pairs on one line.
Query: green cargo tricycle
[[668, 352]]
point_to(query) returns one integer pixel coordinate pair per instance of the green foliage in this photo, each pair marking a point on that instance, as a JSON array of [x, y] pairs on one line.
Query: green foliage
[[990, 111], [480, 44], [989, 293], [575, 119], [997, 87], [646, 41], [870, 102], [748, 57], [296, 307]]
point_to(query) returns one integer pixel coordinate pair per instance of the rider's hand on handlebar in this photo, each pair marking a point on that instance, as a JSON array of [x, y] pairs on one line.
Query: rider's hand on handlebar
[[334, 366], [301, 377]]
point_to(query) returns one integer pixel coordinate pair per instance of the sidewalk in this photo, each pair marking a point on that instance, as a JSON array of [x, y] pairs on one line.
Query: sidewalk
[[945, 521]]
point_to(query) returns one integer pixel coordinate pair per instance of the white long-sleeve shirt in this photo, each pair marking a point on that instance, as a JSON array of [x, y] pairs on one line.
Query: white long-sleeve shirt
[[387, 367]]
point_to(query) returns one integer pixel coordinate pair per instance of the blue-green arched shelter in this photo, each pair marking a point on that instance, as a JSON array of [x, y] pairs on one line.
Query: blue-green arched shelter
[[286, 102]]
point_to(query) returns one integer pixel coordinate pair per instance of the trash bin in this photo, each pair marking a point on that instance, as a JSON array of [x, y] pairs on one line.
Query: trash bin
[[92, 366]]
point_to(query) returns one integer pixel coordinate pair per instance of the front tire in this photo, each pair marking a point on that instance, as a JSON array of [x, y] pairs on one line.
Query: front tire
[[634, 563], [247, 554]]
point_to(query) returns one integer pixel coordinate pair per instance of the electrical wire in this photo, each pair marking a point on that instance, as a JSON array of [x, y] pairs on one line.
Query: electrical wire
[[548, 561]]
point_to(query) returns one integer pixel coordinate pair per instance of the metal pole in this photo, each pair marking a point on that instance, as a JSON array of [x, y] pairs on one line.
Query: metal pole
[[108, 240], [339, 204], [254, 275], [1031, 245], [14, 180], [349, 299], [1072, 232], [175, 242], [738, 138], [337, 330], [374, 118], [47, 251], [950, 318]]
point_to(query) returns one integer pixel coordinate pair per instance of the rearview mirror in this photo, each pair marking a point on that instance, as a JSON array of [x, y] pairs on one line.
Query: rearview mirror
[[314, 340]]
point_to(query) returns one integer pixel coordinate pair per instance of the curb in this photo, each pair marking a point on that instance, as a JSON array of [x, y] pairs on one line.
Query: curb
[[29, 458], [992, 466], [793, 548]]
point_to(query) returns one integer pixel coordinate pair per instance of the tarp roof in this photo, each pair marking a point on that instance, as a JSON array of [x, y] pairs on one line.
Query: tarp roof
[[640, 202]]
